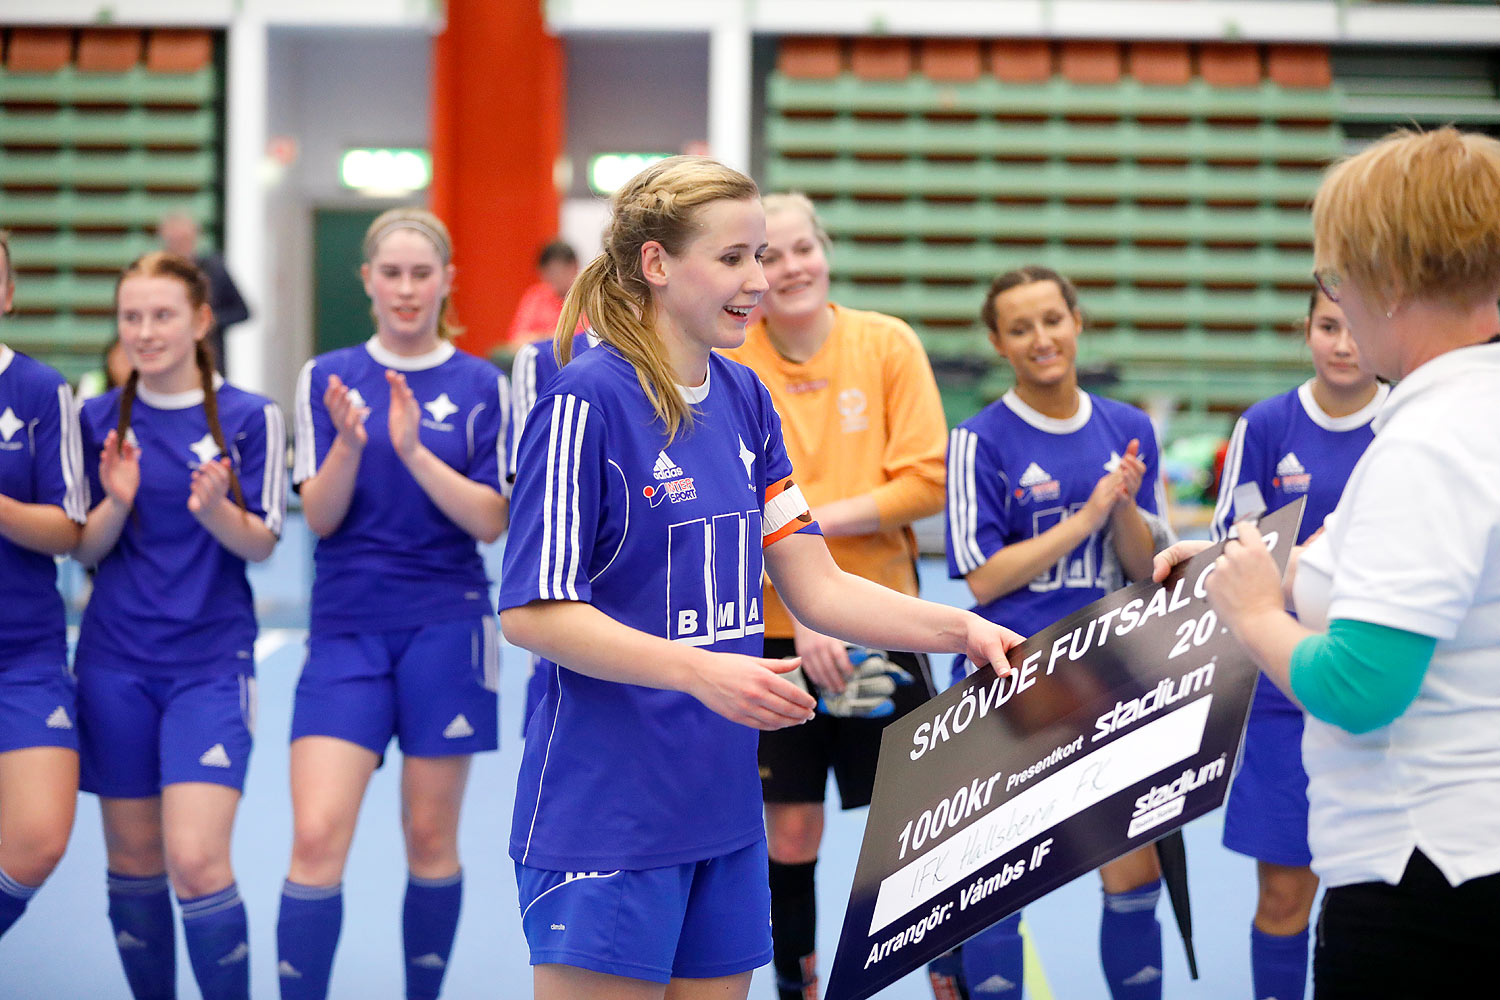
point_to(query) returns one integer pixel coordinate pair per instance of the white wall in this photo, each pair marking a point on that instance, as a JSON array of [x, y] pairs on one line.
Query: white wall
[[329, 90]]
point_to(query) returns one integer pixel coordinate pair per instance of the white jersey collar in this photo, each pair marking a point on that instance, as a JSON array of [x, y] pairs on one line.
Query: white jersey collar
[[415, 363], [1348, 422], [696, 393], [175, 400], [6, 357], [1052, 425], [1434, 373]]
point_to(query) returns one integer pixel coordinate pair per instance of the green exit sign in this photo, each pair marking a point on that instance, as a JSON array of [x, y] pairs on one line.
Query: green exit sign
[[386, 171]]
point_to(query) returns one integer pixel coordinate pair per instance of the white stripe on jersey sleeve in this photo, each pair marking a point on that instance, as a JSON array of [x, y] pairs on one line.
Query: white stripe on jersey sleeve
[[523, 394], [963, 506], [557, 575], [305, 446], [1234, 459], [273, 475], [70, 457]]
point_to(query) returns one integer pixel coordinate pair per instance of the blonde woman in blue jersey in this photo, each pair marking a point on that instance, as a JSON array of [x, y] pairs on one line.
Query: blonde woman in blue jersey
[[42, 504], [401, 452], [1054, 500], [189, 473], [652, 487]]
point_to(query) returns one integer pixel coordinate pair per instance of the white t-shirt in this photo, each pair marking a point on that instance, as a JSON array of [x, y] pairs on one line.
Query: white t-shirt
[[1414, 544]]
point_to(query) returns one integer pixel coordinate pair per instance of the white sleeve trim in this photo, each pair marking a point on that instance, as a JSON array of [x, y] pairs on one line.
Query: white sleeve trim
[[70, 457], [273, 476], [1234, 459], [305, 445], [963, 501], [557, 576]]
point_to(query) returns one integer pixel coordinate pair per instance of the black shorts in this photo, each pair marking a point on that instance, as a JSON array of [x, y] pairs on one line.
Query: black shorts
[[794, 762], [1419, 938]]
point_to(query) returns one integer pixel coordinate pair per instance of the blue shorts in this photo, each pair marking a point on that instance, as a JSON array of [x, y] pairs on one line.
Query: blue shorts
[[699, 920], [137, 734], [37, 705], [1265, 815], [433, 688]]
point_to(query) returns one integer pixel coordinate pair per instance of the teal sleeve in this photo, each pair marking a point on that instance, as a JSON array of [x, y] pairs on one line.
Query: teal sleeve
[[1360, 676]]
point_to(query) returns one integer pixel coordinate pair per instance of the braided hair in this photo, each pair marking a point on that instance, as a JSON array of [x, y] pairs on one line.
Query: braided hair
[[160, 264]]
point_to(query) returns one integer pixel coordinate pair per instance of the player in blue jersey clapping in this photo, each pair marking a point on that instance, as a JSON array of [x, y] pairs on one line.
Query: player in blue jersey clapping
[[1054, 500], [651, 488], [401, 456], [42, 503], [1302, 443], [189, 476]]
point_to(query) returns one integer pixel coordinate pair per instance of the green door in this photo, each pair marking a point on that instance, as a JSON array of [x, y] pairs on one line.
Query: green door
[[341, 310]]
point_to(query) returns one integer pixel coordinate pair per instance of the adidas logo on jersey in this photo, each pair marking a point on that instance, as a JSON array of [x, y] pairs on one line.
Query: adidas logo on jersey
[[59, 719], [1034, 476], [431, 960], [287, 971], [995, 984], [1149, 974], [126, 941], [215, 756], [1290, 476], [239, 954], [1040, 482], [458, 728], [665, 468]]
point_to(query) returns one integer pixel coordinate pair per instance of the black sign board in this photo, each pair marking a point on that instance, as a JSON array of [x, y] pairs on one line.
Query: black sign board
[[1116, 726]]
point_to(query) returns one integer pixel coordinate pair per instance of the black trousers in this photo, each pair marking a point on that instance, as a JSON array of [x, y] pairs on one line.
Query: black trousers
[[1421, 938]]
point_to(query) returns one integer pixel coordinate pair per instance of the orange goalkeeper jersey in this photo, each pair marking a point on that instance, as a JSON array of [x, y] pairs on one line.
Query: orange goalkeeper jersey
[[862, 416]]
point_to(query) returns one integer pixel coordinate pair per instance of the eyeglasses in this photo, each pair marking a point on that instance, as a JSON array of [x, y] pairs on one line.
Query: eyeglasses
[[1328, 282]]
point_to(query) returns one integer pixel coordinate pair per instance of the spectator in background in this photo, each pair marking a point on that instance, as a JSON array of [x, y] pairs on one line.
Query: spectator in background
[[179, 235], [541, 304]]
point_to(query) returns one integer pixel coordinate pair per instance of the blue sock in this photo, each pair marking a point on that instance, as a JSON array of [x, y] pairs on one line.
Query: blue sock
[[993, 961], [429, 920], [1278, 965], [218, 943], [13, 899], [1130, 943], [140, 911], [307, 932]]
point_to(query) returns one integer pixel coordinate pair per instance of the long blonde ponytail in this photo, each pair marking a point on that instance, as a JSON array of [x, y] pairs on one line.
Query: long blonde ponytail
[[659, 204]]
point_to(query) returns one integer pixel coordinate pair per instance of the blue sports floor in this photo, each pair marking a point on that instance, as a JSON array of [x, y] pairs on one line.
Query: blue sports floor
[[62, 948]]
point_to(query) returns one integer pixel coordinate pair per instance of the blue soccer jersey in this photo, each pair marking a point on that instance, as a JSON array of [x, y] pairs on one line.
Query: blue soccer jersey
[[40, 462], [1290, 448], [397, 561], [666, 538], [168, 596], [1014, 473]]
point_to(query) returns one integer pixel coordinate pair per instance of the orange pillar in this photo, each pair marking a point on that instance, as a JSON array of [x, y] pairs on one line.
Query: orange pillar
[[497, 108]]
